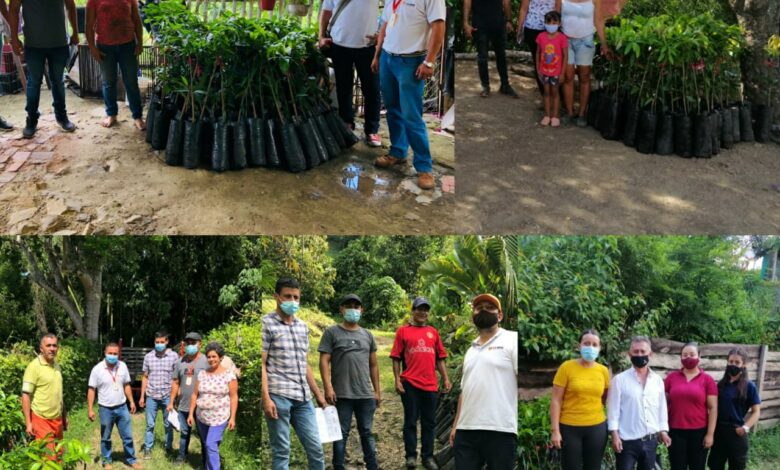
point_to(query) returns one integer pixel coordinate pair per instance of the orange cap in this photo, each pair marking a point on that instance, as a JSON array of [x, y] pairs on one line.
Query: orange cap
[[490, 298]]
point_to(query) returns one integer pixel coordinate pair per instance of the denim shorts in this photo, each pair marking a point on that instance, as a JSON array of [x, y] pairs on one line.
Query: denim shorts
[[581, 51]]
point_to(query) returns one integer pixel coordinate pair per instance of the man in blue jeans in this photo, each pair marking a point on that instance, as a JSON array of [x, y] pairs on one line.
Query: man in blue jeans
[[350, 376], [409, 40], [45, 42], [288, 381], [159, 366], [183, 384], [110, 379]]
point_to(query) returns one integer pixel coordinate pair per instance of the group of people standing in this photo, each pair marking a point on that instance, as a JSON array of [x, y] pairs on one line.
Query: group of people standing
[[687, 411]]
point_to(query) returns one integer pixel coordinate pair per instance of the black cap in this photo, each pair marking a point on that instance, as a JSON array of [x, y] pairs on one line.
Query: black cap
[[350, 297], [193, 336], [420, 301]]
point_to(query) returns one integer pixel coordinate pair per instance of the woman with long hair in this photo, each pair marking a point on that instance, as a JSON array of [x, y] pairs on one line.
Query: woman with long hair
[[579, 425], [736, 396]]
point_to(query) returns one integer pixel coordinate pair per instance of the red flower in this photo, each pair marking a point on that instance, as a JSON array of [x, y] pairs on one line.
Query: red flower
[[698, 66]]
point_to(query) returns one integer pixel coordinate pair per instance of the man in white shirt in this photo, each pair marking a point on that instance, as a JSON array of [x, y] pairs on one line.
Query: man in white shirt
[[111, 380], [636, 410], [485, 426], [409, 40], [348, 33]]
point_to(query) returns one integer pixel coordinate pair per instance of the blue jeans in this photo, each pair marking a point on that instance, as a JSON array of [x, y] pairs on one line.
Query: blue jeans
[[301, 415], [364, 415], [637, 454], [124, 56], [419, 405], [185, 435], [152, 406], [402, 93], [121, 417], [36, 57]]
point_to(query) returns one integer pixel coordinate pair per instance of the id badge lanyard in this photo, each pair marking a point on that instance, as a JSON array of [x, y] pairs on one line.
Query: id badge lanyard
[[113, 376], [190, 370], [396, 5]]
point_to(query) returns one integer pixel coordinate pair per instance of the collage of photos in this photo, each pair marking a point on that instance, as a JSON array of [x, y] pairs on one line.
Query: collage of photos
[[234, 241]]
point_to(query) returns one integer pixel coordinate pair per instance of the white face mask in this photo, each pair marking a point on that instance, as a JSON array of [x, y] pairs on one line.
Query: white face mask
[[551, 28]]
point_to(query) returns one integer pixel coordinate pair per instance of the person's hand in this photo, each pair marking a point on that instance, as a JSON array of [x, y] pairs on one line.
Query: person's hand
[[666, 439], [98, 57], [372, 39], [190, 420], [556, 439], [16, 44], [399, 387], [169, 408], [447, 386], [424, 72], [231, 424], [321, 400], [91, 414], [469, 30], [324, 42], [607, 52], [452, 436], [617, 444], [142, 402], [375, 65], [132, 408], [269, 408], [509, 27], [740, 431], [330, 395], [74, 39], [138, 49], [708, 440], [29, 429], [378, 399]]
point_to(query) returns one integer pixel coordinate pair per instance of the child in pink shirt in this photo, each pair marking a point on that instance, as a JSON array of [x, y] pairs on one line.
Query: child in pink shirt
[[552, 53]]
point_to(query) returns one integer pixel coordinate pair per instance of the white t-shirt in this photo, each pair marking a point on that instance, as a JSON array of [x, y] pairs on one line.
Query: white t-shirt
[[410, 31], [110, 384], [489, 385], [356, 21]]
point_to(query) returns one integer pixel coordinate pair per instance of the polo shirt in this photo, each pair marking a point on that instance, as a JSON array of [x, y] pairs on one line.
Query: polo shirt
[[410, 30], [286, 347], [635, 411], [356, 21], [732, 410], [43, 382], [688, 400], [489, 385], [418, 348], [110, 383], [186, 373], [583, 389], [159, 369]]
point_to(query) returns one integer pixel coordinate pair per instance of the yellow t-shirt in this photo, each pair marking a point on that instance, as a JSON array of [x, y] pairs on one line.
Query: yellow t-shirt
[[583, 389], [43, 383]]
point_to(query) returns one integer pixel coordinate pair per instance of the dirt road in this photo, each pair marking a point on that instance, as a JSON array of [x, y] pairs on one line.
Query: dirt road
[[529, 179], [109, 181]]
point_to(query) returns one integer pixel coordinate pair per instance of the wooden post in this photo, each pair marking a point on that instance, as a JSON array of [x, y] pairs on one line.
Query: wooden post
[[761, 370]]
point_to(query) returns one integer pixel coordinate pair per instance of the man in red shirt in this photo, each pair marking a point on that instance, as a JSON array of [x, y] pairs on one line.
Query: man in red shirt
[[419, 349]]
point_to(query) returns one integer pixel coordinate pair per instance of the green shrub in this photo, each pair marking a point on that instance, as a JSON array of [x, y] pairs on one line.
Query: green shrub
[[36, 456], [12, 425], [384, 301], [77, 357], [13, 362]]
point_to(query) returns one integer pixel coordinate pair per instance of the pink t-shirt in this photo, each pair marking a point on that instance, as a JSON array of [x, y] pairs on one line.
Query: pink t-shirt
[[688, 400], [551, 50]]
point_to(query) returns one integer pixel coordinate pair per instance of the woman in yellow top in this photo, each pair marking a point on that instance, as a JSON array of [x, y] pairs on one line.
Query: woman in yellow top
[[579, 425]]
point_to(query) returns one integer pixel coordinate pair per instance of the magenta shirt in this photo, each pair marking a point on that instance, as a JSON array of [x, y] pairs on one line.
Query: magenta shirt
[[687, 401]]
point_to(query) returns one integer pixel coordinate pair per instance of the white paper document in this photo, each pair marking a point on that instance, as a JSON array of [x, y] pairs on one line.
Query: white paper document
[[173, 418], [328, 424]]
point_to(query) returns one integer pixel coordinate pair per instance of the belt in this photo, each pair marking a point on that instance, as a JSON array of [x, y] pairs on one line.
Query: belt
[[112, 407], [411, 54]]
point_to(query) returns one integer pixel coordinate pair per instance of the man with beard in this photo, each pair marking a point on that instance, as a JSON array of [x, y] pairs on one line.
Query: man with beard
[[485, 426], [419, 349]]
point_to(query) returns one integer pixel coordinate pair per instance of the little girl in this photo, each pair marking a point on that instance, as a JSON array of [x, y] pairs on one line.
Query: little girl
[[552, 53]]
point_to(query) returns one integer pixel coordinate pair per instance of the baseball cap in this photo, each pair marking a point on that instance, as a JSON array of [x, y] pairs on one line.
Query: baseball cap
[[193, 336], [487, 297], [420, 301], [350, 297]]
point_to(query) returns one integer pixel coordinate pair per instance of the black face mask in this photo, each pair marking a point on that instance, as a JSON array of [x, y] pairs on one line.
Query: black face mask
[[484, 319], [733, 371], [640, 361]]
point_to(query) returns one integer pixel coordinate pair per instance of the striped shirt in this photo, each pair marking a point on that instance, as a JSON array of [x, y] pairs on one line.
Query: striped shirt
[[286, 347], [159, 371]]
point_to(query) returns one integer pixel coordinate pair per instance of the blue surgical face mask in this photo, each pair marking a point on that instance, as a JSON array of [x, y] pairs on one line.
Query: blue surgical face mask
[[352, 315], [290, 308], [589, 353], [160, 347], [551, 28], [112, 358], [191, 349]]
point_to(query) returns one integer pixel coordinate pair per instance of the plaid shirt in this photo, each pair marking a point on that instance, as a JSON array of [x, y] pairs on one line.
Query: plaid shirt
[[286, 347], [159, 371]]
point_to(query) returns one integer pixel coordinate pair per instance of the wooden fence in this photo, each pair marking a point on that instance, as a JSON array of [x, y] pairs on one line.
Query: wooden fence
[[763, 369]]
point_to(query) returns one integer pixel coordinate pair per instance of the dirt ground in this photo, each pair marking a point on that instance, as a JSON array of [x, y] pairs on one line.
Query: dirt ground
[[530, 179], [109, 181]]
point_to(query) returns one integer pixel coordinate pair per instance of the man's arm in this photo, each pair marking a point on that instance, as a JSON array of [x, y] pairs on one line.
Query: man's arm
[[399, 386], [269, 407], [174, 393], [455, 422], [325, 16], [435, 41], [380, 39], [330, 394], [139, 29], [467, 28], [129, 396], [26, 410], [144, 383], [91, 403], [508, 15], [13, 22], [70, 6], [373, 365], [314, 388], [441, 365]]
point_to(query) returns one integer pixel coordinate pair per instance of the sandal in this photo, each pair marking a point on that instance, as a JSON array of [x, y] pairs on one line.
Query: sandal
[[545, 121], [555, 122]]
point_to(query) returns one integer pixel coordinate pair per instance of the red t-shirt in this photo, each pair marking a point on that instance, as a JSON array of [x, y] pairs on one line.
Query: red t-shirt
[[688, 400], [551, 50], [114, 21], [418, 347]]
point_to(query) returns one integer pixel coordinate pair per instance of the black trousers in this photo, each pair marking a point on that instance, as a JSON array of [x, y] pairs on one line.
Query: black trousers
[[729, 448], [687, 451], [583, 446], [419, 405], [346, 61], [474, 449], [637, 454], [483, 39], [529, 37]]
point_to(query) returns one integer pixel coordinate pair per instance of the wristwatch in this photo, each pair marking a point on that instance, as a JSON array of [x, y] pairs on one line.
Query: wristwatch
[[428, 64]]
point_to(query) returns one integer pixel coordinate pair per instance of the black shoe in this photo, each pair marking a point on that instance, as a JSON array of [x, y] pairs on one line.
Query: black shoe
[[430, 464], [485, 92], [147, 454], [29, 129], [179, 460], [411, 462], [509, 91], [5, 126], [66, 125]]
